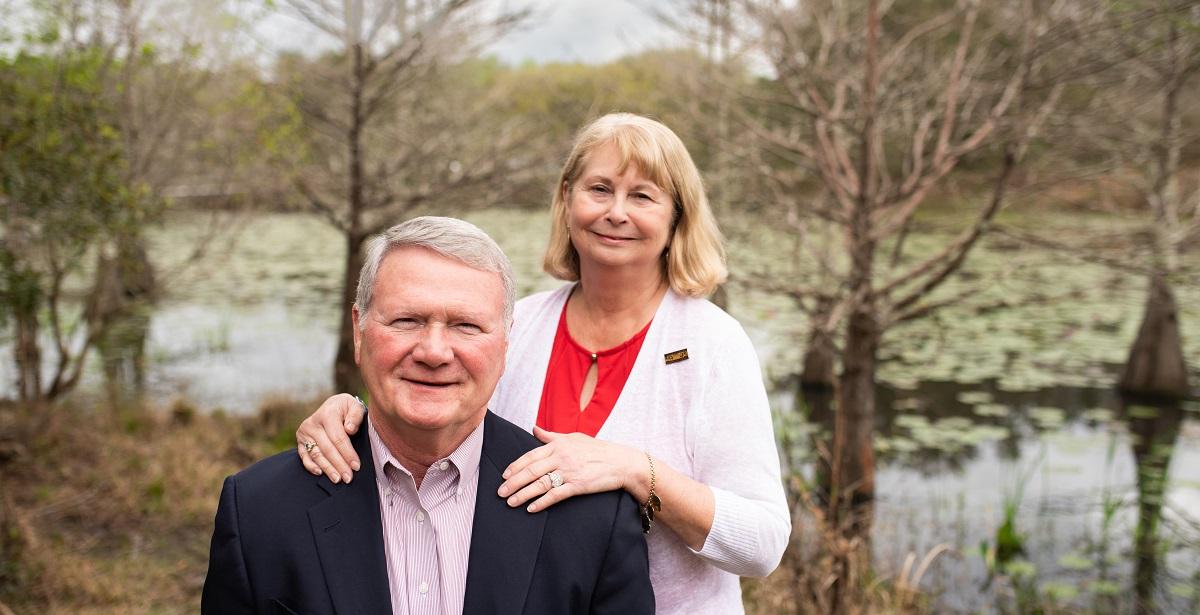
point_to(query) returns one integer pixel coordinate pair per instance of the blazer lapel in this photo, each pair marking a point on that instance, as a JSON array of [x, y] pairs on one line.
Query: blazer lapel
[[348, 533], [504, 541]]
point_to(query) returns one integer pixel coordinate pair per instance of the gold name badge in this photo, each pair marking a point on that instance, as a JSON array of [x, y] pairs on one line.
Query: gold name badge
[[677, 356]]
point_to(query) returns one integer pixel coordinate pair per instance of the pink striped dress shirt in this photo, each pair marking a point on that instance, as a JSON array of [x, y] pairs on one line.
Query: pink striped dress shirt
[[427, 531]]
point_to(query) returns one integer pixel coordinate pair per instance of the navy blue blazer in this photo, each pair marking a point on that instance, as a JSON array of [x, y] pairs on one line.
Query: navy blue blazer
[[286, 541]]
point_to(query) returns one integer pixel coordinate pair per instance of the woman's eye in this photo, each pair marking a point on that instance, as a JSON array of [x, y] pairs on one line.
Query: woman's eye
[[599, 189], [642, 196]]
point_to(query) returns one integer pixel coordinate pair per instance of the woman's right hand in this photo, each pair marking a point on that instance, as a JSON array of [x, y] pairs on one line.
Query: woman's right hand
[[329, 429]]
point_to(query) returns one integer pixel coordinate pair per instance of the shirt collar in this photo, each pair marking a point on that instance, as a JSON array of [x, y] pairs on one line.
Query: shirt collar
[[465, 458]]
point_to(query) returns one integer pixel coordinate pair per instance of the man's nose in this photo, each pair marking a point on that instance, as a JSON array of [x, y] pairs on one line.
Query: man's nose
[[433, 349]]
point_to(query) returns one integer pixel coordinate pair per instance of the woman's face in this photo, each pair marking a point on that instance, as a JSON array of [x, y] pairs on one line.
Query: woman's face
[[617, 219]]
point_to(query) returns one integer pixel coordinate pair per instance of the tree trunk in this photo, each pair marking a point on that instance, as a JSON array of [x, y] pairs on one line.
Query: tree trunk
[[856, 405], [345, 371], [819, 361], [1156, 365], [28, 355]]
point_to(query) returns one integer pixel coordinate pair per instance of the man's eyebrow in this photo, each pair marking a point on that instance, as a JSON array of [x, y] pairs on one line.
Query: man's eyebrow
[[470, 312]]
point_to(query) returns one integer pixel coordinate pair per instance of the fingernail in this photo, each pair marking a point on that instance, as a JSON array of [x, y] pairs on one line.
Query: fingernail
[[512, 501], [335, 478], [355, 465], [348, 477], [532, 508], [315, 472], [349, 426], [505, 475], [502, 492]]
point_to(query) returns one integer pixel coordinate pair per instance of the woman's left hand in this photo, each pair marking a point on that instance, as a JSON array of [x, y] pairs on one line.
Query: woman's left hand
[[585, 464]]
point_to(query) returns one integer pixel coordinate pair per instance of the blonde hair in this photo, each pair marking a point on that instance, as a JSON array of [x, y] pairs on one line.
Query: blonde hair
[[694, 261]]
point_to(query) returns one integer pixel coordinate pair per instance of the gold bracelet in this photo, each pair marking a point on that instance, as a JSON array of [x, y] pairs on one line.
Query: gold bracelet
[[653, 504]]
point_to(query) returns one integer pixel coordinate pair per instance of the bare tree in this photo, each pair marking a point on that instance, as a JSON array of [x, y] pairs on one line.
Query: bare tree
[[871, 112], [389, 135], [1139, 123]]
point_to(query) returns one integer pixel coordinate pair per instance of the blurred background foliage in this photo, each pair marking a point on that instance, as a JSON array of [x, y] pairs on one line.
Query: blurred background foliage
[[961, 234]]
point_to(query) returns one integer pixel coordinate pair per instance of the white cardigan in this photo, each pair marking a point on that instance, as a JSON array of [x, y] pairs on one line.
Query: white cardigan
[[707, 416]]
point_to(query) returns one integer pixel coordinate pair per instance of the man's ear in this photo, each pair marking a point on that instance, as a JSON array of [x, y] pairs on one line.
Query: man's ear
[[355, 315]]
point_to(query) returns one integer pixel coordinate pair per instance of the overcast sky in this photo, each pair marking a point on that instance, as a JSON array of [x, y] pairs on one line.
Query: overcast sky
[[585, 31], [593, 31]]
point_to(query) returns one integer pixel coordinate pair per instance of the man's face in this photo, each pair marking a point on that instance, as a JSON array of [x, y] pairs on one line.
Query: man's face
[[431, 345]]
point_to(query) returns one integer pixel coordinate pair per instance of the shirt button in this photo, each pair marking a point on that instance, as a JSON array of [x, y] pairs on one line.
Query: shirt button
[[421, 516], [423, 588], [444, 465]]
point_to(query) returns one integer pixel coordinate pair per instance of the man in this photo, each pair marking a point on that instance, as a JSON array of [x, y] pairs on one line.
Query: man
[[421, 530]]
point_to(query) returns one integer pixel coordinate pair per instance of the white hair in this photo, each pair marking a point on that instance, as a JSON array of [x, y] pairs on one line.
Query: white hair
[[450, 237]]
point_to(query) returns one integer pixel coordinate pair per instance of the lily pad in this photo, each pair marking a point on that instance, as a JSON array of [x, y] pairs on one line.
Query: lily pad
[[1142, 412], [903, 445], [974, 397], [985, 433], [1181, 590], [1098, 415], [996, 410], [1019, 568], [954, 423], [1075, 561], [1047, 417], [1060, 591], [912, 421]]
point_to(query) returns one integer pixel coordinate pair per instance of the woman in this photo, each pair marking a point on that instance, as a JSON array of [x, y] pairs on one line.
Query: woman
[[630, 378]]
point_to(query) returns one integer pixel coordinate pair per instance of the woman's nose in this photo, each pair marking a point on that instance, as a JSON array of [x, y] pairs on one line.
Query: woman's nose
[[616, 213]]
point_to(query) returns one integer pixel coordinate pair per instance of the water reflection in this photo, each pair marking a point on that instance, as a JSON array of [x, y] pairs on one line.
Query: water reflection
[[1154, 425], [1101, 490], [119, 307]]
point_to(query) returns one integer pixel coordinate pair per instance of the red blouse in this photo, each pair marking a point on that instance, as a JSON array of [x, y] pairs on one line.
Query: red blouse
[[569, 365]]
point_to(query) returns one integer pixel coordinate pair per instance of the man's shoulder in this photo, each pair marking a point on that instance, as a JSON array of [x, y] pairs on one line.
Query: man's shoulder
[[514, 442], [508, 439], [280, 466], [273, 481]]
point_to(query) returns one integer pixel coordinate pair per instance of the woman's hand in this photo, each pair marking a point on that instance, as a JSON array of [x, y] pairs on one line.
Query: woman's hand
[[586, 465], [327, 434]]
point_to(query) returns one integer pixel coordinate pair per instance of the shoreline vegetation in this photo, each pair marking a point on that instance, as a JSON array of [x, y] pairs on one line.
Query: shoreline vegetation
[[108, 512]]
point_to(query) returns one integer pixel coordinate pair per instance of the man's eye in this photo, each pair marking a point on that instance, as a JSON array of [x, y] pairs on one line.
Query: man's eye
[[405, 323], [467, 327]]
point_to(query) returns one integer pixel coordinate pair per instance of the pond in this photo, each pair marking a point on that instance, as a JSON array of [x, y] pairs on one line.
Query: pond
[[999, 407]]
